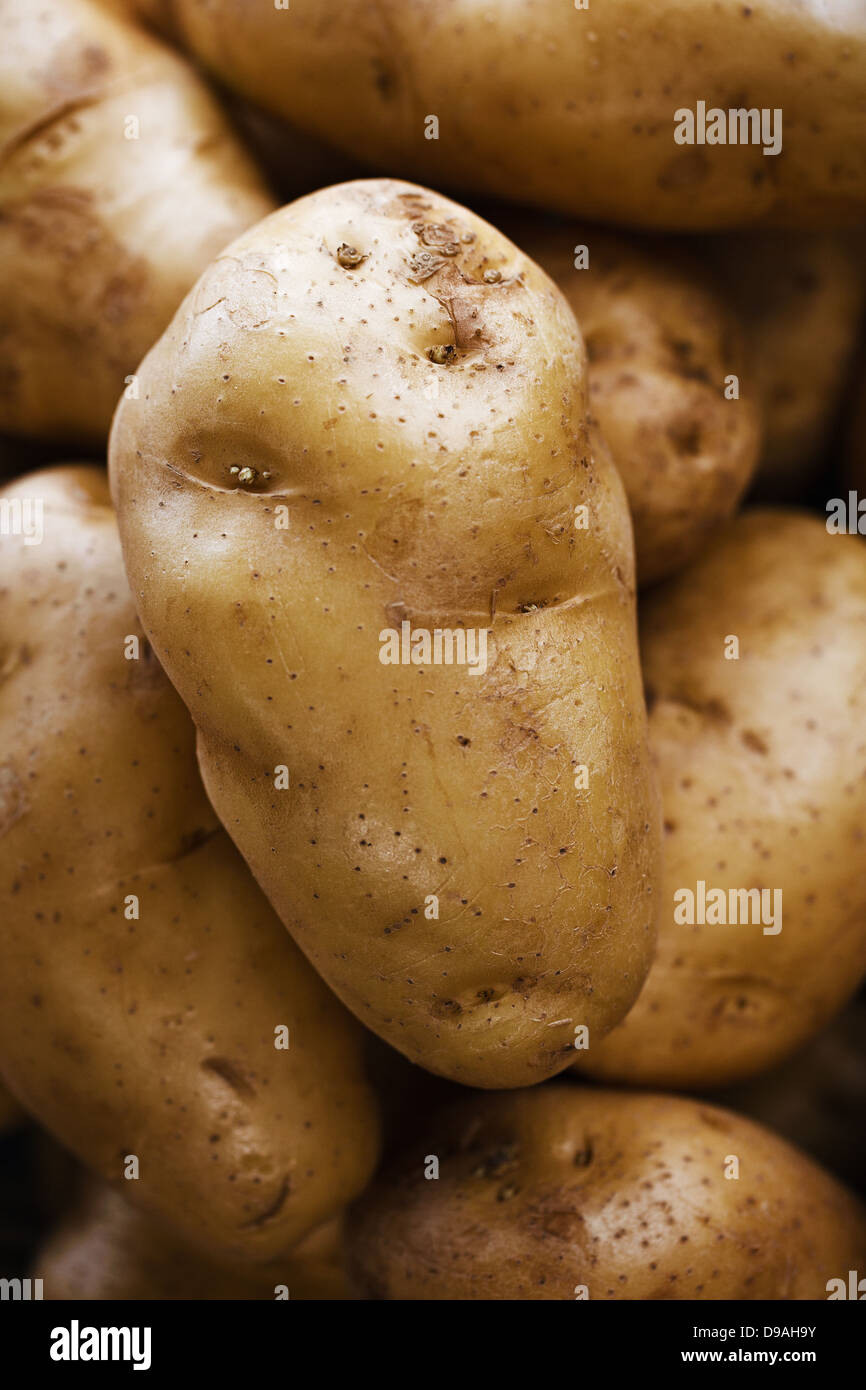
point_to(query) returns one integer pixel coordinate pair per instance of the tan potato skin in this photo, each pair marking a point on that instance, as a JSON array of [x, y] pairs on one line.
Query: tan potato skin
[[436, 495], [571, 110], [762, 768], [800, 300], [547, 1192], [106, 1249], [155, 1036], [660, 345], [101, 235]]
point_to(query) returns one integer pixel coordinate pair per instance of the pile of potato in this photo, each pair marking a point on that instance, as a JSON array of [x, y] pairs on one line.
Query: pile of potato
[[433, 648]]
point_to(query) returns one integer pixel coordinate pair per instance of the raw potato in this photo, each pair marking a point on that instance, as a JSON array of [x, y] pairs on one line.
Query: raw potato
[[572, 110], [101, 235], [106, 1249], [149, 1035], [543, 1194], [371, 411], [660, 347], [800, 300], [762, 767]]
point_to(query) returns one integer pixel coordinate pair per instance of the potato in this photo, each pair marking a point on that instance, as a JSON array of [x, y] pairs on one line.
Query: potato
[[121, 179], [800, 301], [370, 413], [564, 1192], [573, 110], [142, 974], [660, 346], [762, 765], [106, 1249]]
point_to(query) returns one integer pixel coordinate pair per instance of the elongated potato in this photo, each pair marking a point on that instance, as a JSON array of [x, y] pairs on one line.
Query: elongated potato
[[120, 179], [660, 347], [106, 1249], [572, 109], [565, 1192], [142, 974], [366, 422], [762, 767]]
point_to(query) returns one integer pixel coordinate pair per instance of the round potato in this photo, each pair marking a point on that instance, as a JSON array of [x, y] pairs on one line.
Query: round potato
[[564, 1192], [580, 110], [800, 300], [374, 550], [661, 348], [120, 180], [106, 1249], [755, 667], [153, 1013]]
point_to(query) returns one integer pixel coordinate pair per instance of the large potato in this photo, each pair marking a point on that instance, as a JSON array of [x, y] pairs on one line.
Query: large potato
[[120, 180], [800, 300], [574, 109], [762, 767], [106, 1249], [142, 973], [566, 1192], [660, 347], [386, 373]]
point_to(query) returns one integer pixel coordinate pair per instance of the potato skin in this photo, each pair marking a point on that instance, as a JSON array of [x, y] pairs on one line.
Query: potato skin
[[542, 1191], [106, 1249], [570, 110], [659, 346], [762, 768], [151, 1036], [101, 235], [800, 300], [430, 494]]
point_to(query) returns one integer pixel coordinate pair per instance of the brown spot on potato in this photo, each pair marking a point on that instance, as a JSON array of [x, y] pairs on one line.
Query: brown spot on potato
[[272, 1210], [231, 1074]]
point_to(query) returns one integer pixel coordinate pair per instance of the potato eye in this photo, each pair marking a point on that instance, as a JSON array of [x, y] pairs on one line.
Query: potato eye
[[349, 256], [442, 354]]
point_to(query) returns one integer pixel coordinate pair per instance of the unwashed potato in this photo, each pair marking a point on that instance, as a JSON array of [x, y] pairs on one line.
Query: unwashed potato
[[142, 973], [762, 767], [660, 347], [106, 1249], [565, 108], [565, 1192], [120, 180], [371, 411], [800, 300]]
